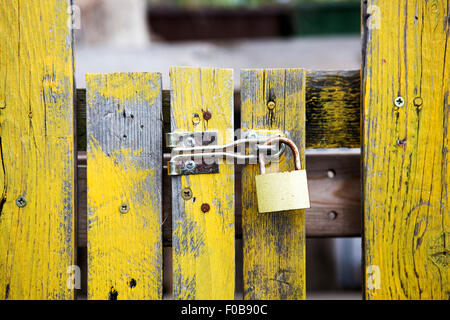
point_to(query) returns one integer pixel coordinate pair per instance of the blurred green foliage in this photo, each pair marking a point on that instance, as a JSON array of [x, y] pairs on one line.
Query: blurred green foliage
[[240, 3]]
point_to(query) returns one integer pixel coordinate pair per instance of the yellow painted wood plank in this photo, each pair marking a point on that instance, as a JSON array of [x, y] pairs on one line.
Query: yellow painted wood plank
[[274, 243], [37, 150], [406, 171], [333, 113], [203, 243], [124, 167]]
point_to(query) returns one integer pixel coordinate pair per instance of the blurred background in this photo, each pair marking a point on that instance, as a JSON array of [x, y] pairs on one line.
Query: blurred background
[[153, 35]]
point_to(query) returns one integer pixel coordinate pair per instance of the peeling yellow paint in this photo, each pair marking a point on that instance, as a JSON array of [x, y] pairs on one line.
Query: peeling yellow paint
[[120, 245], [118, 88], [37, 150], [123, 191], [203, 254], [405, 152], [274, 243]]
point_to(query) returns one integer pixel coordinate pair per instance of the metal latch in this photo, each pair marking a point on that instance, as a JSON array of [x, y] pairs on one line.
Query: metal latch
[[198, 152]]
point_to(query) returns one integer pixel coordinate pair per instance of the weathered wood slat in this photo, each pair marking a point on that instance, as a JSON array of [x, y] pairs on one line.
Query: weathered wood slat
[[203, 242], [332, 110], [273, 243], [36, 150], [406, 149], [124, 205]]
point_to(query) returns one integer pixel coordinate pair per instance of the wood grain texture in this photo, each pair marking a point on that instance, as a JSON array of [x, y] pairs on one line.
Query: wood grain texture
[[274, 243], [406, 149], [203, 243], [37, 150], [333, 113], [124, 127]]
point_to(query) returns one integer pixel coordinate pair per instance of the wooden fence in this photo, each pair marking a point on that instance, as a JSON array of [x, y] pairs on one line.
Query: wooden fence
[[83, 170]]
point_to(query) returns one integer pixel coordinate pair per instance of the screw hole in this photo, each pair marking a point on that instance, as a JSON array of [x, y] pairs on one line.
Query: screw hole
[[332, 215], [132, 284], [331, 173]]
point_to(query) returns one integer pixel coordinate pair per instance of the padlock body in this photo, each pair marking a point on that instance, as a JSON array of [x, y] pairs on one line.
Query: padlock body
[[282, 191]]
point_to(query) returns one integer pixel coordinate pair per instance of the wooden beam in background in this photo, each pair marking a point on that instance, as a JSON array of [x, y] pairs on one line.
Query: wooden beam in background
[[406, 143], [332, 110]]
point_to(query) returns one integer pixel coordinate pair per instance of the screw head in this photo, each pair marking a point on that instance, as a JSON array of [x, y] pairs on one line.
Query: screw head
[[195, 119], [399, 102], [21, 202], [189, 165], [207, 115], [189, 142], [186, 194], [401, 142], [205, 207], [271, 105], [124, 208]]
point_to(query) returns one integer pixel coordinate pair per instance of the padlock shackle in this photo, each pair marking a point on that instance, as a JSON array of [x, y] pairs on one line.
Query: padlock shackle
[[290, 144]]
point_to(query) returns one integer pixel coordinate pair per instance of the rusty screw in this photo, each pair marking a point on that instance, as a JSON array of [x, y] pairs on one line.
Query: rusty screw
[[418, 101], [271, 105], [207, 115], [205, 207]]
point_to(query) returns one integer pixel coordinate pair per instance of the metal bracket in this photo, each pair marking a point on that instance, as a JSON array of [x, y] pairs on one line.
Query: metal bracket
[[191, 139], [187, 140], [198, 152]]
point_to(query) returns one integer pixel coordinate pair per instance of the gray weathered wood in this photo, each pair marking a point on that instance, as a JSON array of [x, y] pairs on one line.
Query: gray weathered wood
[[124, 154], [203, 241], [273, 243]]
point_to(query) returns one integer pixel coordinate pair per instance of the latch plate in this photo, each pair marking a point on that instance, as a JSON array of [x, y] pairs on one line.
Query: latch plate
[[197, 164]]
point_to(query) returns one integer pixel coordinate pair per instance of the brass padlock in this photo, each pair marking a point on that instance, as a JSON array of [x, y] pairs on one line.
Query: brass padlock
[[282, 191]]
